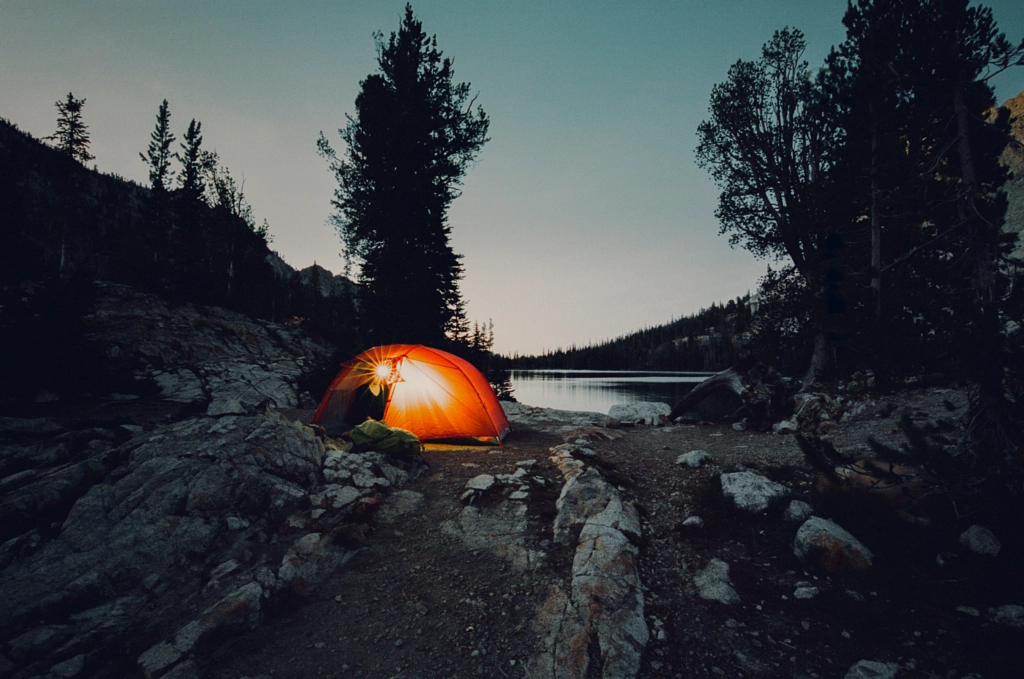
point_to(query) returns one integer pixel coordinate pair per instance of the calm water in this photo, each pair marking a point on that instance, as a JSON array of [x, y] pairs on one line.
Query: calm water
[[597, 391]]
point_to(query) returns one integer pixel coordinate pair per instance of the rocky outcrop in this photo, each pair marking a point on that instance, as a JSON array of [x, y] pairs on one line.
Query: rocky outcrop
[[198, 526], [209, 354], [327, 283], [600, 617], [502, 530]]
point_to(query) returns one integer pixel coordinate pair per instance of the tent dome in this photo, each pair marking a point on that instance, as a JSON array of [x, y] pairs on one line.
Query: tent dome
[[432, 393]]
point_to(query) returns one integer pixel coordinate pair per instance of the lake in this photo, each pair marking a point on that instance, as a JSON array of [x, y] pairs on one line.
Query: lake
[[597, 390]]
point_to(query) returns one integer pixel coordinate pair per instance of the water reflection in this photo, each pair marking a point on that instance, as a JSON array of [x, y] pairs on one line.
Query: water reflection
[[597, 391]]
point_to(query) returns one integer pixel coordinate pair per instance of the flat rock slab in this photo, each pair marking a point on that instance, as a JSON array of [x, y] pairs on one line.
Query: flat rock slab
[[551, 419], [640, 412], [751, 492], [502, 530], [482, 482]]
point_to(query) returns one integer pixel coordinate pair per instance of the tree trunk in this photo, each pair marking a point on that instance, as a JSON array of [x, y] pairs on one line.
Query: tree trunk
[[817, 361], [876, 227], [983, 278]]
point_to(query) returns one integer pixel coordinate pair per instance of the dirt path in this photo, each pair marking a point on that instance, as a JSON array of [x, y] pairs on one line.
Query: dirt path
[[415, 601]]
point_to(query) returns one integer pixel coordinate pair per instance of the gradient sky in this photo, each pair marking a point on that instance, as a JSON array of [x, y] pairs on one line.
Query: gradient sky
[[584, 218]]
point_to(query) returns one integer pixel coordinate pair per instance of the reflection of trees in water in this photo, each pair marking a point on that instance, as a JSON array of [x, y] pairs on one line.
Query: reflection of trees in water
[[581, 393]]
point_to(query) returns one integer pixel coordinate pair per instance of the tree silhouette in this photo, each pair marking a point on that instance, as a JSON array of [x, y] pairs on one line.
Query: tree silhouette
[[770, 146], [414, 133], [158, 155], [191, 158], [71, 136]]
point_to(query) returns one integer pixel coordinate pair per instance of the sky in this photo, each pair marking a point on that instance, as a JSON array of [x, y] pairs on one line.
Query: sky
[[584, 218]]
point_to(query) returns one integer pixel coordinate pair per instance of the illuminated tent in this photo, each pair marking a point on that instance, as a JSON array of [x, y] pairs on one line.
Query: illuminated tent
[[429, 392]]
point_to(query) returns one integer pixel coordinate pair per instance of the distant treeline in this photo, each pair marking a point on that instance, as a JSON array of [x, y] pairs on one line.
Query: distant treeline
[[705, 341]]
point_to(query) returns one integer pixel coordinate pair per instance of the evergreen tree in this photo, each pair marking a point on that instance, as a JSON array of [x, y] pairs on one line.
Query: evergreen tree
[[770, 145], [158, 155], [968, 210], [191, 158], [414, 133], [71, 136]]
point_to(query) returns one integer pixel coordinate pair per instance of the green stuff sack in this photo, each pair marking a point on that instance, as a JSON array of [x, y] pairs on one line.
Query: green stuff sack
[[375, 435]]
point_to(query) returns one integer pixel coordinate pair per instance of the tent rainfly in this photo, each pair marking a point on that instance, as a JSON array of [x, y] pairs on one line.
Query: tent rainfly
[[429, 392]]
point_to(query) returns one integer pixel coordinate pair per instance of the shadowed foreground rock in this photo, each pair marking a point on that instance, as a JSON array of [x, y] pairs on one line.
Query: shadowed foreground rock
[[834, 549], [206, 521]]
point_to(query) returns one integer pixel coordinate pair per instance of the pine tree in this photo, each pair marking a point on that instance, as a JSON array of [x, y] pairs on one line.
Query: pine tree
[[412, 138], [158, 155], [191, 158], [71, 136]]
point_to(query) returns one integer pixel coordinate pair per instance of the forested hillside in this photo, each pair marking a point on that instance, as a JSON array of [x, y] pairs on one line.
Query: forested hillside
[[63, 227], [61, 220], [705, 341]]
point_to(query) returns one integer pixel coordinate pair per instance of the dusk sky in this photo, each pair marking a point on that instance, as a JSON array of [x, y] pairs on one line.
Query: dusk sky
[[585, 217]]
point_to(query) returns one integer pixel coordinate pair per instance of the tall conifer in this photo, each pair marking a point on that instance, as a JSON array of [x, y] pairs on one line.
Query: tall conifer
[[71, 136], [410, 142], [191, 179], [158, 155]]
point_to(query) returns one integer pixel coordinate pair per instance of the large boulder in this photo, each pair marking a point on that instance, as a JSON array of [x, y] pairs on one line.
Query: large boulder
[[755, 392], [828, 545], [713, 583], [719, 397], [752, 492], [981, 541]]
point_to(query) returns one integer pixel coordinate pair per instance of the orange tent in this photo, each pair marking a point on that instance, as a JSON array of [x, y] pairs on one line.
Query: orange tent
[[429, 392]]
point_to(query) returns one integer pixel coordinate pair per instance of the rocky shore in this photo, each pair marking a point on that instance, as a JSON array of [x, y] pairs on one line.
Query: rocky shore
[[196, 527]]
